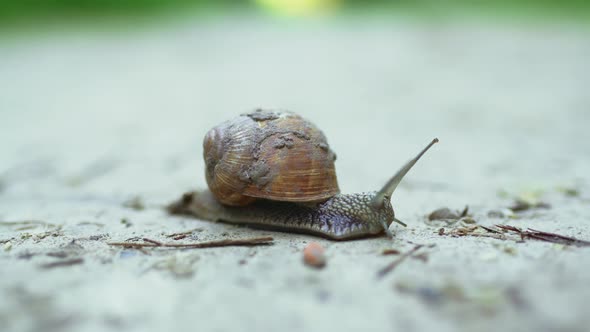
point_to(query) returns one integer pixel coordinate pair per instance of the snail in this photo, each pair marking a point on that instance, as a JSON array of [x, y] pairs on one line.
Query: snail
[[275, 170]]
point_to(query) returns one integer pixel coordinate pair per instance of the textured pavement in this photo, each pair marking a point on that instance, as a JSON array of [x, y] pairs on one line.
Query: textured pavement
[[99, 130]]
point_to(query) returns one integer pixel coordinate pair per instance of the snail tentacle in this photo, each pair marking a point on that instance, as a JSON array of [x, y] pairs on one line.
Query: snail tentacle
[[391, 185]]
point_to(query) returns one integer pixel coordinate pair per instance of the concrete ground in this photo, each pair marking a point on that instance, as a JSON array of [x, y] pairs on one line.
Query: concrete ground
[[99, 130]]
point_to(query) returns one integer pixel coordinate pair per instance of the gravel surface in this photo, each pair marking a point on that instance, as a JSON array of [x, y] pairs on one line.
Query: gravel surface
[[100, 130]]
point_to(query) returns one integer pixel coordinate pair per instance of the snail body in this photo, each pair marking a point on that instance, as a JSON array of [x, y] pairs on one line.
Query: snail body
[[276, 170], [340, 217]]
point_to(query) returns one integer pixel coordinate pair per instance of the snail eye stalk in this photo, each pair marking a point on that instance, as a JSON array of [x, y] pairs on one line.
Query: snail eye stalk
[[392, 184]]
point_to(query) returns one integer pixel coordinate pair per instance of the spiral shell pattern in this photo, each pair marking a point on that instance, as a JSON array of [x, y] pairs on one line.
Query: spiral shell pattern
[[273, 155]]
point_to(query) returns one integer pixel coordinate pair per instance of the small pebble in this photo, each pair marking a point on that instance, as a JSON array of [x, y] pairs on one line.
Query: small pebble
[[314, 256], [468, 220], [522, 205], [510, 251], [134, 203], [7, 246], [97, 237]]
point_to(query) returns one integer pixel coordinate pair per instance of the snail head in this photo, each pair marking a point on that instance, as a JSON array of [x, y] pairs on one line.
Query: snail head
[[382, 198]]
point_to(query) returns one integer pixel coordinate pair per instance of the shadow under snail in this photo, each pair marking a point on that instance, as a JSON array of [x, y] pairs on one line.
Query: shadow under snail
[[275, 170]]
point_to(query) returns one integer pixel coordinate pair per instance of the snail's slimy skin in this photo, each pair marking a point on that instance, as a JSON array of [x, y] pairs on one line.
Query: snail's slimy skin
[[341, 217]]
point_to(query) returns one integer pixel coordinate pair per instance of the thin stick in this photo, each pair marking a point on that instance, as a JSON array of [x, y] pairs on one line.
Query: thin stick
[[157, 243], [490, 230], [258, 241], [189, 232], [546, 236], [461, 232], [384, 271], [557, 237], [24, 222], [68, 262], [523, 234], [492, 236]]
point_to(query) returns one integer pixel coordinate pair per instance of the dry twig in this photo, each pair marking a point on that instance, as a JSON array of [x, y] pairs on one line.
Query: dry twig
[[501, 234], [490, 229], [384, 271], [182, 235], [148, 243], [472, 232], [545, 236], [63, 263]]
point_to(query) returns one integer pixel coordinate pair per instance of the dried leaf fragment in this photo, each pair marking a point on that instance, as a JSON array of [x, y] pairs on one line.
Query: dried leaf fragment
[[443, 214], [447, 214], [135, 203], [523, 205]]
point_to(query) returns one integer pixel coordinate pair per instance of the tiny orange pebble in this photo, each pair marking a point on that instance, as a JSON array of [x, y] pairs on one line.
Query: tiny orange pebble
[[313, 255]]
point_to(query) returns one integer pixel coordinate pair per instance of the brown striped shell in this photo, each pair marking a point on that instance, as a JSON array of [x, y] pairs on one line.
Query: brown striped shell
[[275, 155]]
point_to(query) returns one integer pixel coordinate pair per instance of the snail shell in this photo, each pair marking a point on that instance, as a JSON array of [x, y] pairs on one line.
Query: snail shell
[[273, 155]]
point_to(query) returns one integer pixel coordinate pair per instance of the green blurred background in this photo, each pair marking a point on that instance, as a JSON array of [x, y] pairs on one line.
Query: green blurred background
[[30, 12]]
